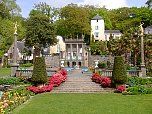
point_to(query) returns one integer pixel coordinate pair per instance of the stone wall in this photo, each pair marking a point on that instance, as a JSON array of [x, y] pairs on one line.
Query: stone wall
[[52, 60], [100, 58]]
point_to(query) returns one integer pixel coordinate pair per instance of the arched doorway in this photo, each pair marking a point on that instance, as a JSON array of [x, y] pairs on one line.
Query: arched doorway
[[73, 64], [68, 64], [79, 64]]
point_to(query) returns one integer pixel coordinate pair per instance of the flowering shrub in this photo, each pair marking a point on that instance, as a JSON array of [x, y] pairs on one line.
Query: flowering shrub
[[36, 90], [120, 88], [96, 78], [105, 81], [54, 81], [63, 72], [11, 99]]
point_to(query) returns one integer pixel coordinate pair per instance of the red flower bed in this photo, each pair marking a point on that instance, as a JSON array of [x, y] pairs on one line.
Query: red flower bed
[[105, 81], [54, 81], [96, 78], [35, 89], [120, 88]]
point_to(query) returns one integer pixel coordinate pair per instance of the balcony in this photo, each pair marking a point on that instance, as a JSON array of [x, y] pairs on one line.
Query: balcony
[[75, 58], [74, 40]]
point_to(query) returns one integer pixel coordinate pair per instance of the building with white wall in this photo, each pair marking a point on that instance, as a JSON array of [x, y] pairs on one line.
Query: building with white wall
[[98, 30]]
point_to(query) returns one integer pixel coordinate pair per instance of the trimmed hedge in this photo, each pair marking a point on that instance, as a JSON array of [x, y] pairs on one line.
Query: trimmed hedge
[[119, 74], [39, 75]]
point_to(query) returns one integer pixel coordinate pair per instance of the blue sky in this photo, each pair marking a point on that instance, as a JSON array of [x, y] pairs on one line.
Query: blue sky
[[27, 5]]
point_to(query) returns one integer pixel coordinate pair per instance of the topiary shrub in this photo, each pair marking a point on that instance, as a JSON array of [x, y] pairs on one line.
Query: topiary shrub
[[39, 75], [101, 65], [119, 74]]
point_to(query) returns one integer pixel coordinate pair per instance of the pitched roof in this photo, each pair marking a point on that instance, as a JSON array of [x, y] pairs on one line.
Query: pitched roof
[[112, 31], [149, 26], [97, 17]]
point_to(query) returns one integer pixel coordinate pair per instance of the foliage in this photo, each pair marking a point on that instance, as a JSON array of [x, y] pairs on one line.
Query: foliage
[[26, 65], [140, 89], [13, 7], [4, 11], [12, 99], [149, 72], [96, 77], [134, 81], [54, 81], [5, 72], [39, 75], [10, 81], [119, 74], [98, 48], [102, 65], [103, 80], [73, 21], [44, 8], [40, 32], [149, 3]]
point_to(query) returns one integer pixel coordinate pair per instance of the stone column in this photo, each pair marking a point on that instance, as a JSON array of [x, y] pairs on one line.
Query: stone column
[[14, 65], [143, 68]]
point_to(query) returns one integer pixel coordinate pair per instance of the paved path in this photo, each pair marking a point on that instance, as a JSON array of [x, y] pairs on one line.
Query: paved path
[[78, 82]]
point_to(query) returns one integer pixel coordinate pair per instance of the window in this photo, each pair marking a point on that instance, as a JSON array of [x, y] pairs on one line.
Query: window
[[96, 27], [96, 34]]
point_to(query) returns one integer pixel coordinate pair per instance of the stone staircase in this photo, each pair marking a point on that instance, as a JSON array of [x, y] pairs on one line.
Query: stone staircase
[[78, 83]]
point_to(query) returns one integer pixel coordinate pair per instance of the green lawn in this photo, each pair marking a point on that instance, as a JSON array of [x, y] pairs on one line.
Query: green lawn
[[86, 104], [5, 72]]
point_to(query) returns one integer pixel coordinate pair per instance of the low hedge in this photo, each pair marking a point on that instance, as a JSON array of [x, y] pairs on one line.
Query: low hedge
[[10, 81]]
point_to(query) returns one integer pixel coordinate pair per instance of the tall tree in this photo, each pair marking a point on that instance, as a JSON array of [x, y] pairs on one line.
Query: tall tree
[[73, 21], [149, 3], [40, 33], [13, 7]]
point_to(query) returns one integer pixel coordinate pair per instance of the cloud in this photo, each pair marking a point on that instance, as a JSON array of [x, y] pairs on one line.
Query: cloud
[[59, 3], [110, 4]]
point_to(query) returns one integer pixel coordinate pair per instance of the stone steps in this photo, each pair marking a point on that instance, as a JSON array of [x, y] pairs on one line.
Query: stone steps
[[79, 84]]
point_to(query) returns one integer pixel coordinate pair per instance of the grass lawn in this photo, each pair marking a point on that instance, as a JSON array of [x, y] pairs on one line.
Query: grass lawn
[[86, 104], [5, 72]]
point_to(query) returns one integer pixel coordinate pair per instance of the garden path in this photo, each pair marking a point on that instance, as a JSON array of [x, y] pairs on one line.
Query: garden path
[[78, 82]]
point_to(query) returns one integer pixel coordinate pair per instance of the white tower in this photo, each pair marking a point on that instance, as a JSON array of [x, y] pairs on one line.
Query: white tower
[[97, 28]]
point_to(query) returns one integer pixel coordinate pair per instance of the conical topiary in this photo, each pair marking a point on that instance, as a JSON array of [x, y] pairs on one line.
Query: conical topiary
[[119, 74], [39, 75]]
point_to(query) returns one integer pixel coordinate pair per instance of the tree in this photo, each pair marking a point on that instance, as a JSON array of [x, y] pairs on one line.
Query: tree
[[98, 48], [73, 21], [39, 75], [40, 32], [149, 3], [13, 7], [4, 11], [119, 74]]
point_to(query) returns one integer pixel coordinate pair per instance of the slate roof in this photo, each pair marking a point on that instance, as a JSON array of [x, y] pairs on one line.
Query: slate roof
[[97, 17], [149, 27], [113, 31], [21, 46]]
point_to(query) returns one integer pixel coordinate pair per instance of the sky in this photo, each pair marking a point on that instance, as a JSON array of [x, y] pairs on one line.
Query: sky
[[27, 5]]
